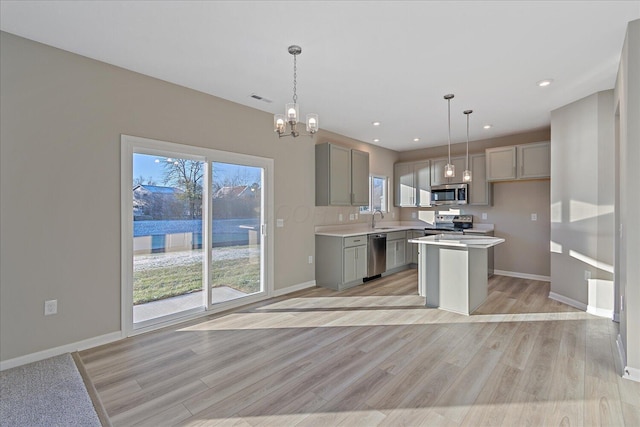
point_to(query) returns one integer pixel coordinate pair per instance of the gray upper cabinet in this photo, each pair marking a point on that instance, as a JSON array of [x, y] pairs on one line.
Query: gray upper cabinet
[[501, 163], [479, 186], [437, 170], [526, 161], [405, 191], [412, 184], [342, 176], [422, 172], [534, 160], [359, 178]]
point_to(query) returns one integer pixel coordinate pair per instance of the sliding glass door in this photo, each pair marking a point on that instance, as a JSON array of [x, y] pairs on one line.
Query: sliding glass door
[[236, 231], [194, 231]]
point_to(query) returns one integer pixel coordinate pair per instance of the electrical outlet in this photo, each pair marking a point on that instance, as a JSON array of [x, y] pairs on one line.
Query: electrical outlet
[[484, 215], [50, 307], [279, 222], [414, 215], [587, 275], [534, 217], [356, 216], [340, 217], [310, 259], [352, 217]]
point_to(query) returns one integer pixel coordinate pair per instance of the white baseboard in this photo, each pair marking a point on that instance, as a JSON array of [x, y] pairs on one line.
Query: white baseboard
[[632, 374], [294, 288], [522, 275], [573, 303], [628, 372], [600, 312], [67, 348]]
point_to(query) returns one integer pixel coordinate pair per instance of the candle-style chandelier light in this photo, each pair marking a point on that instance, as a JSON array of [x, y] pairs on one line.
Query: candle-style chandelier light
[[291, 113]]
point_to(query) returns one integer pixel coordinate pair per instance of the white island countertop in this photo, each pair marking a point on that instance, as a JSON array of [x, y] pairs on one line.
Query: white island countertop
[[457, 240]]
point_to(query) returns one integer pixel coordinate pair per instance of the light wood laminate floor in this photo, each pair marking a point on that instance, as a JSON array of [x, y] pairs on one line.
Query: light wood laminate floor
[[373, 355]]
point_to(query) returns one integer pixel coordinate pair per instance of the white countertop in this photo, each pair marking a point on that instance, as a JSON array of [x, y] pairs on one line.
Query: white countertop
[[457, 240], [360, 229]]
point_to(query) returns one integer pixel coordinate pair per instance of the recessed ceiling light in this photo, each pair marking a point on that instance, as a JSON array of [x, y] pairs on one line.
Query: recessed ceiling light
[[545, 82], [375, 123], [487, 126], [376, 140], [416, 139]]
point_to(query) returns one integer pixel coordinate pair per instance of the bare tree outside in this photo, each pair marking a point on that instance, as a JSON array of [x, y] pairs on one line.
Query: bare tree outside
[[186, 175]]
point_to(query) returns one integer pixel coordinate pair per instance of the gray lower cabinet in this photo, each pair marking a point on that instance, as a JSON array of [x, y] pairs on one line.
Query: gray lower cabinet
[[412, 248], [396, 249], [341, 262]]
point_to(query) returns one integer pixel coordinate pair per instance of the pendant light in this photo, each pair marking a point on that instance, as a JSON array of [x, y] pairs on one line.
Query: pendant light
[[466, 175], [449, 169], [291, 112]]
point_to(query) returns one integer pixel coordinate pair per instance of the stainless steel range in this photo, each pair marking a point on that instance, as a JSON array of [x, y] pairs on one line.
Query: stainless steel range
[[450, 224]]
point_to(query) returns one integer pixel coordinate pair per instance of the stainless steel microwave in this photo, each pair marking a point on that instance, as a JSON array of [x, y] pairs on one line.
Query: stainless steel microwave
[[449, 194]]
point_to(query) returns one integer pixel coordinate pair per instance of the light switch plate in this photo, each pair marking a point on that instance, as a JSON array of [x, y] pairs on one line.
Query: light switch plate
[[484, 215], [279, 222], [534, 217]]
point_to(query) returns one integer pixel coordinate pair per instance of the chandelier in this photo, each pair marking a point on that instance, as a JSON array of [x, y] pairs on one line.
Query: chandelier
[[291, 113]]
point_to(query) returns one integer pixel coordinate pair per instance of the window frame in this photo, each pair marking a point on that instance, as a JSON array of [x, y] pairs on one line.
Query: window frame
[[368, 210]]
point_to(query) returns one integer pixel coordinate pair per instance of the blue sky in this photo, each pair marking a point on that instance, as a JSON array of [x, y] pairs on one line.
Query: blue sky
[[152, 167]]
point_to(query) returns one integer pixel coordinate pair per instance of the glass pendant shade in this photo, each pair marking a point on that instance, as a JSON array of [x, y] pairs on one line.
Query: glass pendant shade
[[449, 170], [279, 123], [466, 176], [291, 113], [312, 123]]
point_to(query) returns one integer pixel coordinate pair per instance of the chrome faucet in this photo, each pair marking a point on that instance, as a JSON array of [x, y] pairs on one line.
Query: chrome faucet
[[373, 217]]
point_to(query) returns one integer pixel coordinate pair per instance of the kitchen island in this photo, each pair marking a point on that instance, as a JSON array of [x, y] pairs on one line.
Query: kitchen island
[[452, 270]]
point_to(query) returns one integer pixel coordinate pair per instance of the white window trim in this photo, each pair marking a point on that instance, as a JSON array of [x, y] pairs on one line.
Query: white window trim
[[130, 144], [386, 194]]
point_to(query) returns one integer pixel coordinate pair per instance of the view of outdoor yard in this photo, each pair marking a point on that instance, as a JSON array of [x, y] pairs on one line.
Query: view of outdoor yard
[[168, 230]]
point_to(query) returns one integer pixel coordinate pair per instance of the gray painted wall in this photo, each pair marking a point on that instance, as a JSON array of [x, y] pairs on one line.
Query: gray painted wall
[[62, 116], [627, 243], [582, 190]]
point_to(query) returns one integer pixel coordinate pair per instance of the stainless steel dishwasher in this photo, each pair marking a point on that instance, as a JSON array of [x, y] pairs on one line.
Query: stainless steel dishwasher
[[377, 258]]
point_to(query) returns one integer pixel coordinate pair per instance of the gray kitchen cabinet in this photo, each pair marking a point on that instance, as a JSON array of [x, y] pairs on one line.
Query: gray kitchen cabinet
[[359, 178], [354, 263], [479, 186], [437, 170], [396, 249], [534, 160], [341, 262], [525, 161], [412, 184], [422, 172], [342, 176], [412, 248], [405, 190], [501, 163]]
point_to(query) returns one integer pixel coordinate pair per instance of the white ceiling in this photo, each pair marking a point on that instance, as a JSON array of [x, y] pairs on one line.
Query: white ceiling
[[361, 61]]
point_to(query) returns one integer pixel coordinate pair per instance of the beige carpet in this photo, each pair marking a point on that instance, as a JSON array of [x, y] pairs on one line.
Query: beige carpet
[[50, 392]]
